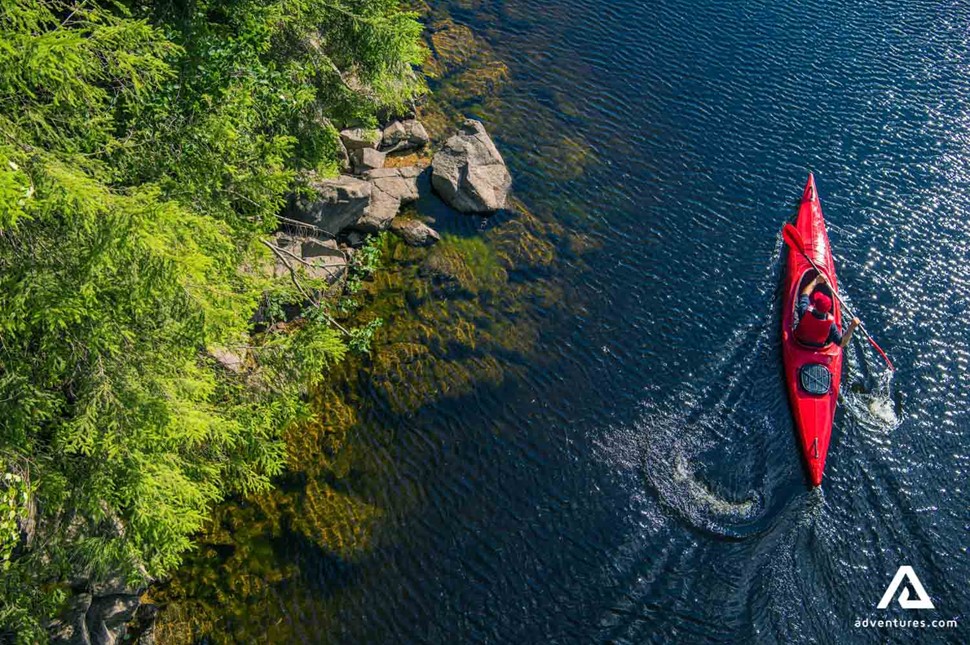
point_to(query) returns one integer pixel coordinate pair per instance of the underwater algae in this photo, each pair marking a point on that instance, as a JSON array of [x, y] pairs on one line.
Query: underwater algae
[[453, 317], [457, 316]]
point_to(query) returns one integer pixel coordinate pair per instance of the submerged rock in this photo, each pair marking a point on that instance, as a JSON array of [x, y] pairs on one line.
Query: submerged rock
[[357, 138], [414, 232], [469, 173], [405, 135], [332, 205], [463, 266]]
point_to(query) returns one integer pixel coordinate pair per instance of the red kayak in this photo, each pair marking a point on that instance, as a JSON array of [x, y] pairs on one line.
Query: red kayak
[[812, 374]]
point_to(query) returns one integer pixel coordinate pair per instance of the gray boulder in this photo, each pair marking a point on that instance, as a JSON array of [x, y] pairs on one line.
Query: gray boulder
[[108, 616], [390, 187], [70, 627], [334, 204], [325, 259], [234, 362], [343, 156], [381, 210], [366, 204], [89, 619], [469, 173], [400, 183], [408, 134], [414, 232], [357, 138], [356, 239], [365, 159]]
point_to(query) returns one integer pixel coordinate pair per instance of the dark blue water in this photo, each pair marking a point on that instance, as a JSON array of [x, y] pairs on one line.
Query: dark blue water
[[638, 479]]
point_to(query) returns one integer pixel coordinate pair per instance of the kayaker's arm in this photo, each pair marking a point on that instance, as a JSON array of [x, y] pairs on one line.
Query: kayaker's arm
[[811, 285], [847, 336]]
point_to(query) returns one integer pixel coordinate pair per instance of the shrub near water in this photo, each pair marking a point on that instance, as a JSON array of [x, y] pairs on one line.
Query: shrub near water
[[144, 149]]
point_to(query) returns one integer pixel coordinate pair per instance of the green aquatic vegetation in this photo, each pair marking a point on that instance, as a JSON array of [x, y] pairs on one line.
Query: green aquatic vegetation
[[236, 559], [465, 73], [434, 343], [334, 520], [467, 264], [463, 311], [526, 241], [573, 155]]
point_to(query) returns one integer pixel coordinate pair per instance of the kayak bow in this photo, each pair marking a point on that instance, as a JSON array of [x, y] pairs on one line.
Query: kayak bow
[[812, 374]]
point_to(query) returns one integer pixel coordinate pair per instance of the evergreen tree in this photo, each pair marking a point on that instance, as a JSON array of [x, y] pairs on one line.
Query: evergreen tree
[[145, 147]]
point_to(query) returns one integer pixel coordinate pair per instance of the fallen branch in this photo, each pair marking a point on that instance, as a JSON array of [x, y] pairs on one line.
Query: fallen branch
[[310, 265], [310, 227], [304, 292]]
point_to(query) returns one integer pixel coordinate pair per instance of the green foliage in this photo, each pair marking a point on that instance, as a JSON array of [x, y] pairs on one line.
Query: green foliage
[[365, 262], [361, 338], [144, 149], [15, 190], [14, 502]]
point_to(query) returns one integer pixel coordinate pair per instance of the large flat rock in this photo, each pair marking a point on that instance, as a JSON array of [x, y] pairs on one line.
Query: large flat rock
[[390, 187], [357, 138], [332, 204]]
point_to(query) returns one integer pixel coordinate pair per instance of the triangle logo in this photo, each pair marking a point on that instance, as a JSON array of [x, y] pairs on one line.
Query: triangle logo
[[906, 573]]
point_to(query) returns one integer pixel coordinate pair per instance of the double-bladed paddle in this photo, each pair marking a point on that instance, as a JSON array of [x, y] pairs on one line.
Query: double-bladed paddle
[[794, 239]]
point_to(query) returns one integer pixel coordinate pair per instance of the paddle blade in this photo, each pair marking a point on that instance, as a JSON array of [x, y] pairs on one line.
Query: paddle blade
[[793, 238], [892, 368]]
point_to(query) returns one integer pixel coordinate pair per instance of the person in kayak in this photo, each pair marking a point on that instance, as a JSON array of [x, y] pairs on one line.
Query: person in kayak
[[816, 324]]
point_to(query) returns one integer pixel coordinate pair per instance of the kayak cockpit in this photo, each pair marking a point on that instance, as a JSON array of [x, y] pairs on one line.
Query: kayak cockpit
[[807, 277]]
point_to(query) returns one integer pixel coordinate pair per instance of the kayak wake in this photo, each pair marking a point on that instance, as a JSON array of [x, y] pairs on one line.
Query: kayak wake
[[874, 406], [700, 457]]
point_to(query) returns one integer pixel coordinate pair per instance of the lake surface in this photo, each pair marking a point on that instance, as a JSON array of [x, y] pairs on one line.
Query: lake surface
[[634, 477]]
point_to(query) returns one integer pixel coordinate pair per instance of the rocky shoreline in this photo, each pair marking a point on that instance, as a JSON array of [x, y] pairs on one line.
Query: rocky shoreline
[[325, 221]]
